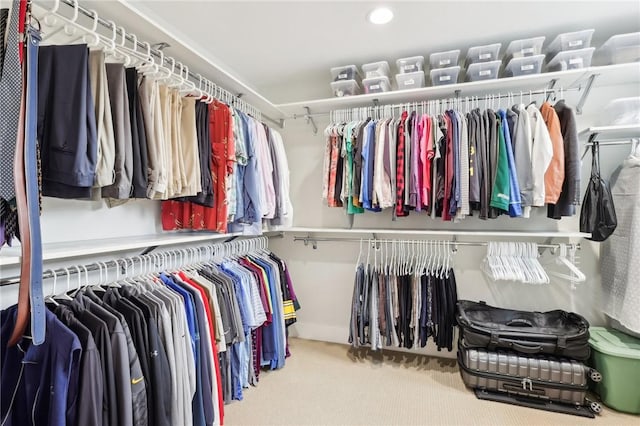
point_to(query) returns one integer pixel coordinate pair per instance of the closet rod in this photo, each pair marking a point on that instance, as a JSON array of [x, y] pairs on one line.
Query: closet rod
[[110, 24], [612, 142], [453, 243], [487, 97], [127, 261]]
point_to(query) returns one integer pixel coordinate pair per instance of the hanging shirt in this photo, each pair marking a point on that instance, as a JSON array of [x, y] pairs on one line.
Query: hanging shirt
[[554, 176], [27, 369], [515, 207], [541, 154], [570, 196], [500, 195], [523, 143], [400, 168], [464, 204]]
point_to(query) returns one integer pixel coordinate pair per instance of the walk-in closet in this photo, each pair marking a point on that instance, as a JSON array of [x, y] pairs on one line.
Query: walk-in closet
[[319, 212]]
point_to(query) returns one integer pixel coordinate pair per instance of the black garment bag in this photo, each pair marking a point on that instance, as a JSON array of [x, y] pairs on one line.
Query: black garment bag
[[598, 214]]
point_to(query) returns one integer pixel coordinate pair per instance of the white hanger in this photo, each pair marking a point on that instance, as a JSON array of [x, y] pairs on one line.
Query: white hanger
[[68, 24], [51, 298], [574, 275]]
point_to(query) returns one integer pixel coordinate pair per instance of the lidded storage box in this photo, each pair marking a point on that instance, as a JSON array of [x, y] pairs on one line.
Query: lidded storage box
[[617, 357], [486, 53], [376, 69], [444, 59], [440, 76], [409, 65], [621, 48], [525, 47], [410, 80]]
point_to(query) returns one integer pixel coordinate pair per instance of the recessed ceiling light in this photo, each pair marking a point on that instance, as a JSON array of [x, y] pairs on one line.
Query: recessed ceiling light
[[380, 16]]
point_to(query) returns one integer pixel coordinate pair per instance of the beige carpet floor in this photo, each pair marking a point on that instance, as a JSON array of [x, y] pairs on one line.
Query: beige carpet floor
[[329, 384]]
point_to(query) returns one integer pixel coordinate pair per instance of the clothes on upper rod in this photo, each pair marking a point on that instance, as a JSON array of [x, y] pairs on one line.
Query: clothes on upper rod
[[456, 163], [167, 350], [115, 133]]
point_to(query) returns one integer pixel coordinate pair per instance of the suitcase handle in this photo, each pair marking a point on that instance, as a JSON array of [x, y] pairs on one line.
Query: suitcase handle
[[526, 349], [520, 322]]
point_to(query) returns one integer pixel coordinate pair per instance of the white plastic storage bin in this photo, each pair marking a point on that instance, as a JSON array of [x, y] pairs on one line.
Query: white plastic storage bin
[[621, 111], [483, 70], [487, 53], [345, 88], [524, 66], [525, 47], [571, 59], [410, 65], [440, 76], [346, 72], [376, 69], [444, 59], [376, 84], [621, 48], [570, 41], [410, 80]]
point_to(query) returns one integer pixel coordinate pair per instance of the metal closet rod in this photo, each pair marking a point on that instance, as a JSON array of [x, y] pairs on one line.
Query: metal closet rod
[[109, 25], [451, 100], [453, 243], [127, 262]]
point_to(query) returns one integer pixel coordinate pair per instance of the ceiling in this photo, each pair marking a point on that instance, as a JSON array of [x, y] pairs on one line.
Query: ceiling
[[283, 50]]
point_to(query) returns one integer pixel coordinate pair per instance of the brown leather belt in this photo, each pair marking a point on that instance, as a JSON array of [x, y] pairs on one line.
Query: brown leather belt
[[22, 316]]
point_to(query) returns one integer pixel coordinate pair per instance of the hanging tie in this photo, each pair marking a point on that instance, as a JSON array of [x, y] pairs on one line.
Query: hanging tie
[[10, 98]]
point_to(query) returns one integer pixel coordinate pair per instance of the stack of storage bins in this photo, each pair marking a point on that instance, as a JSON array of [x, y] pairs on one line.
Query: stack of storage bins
[[570, 51], [483, 62], [444, 67], [346, 81], [524, 57], [410, 73], [376, 77]]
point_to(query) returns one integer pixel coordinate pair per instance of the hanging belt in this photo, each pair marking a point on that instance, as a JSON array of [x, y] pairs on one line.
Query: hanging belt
[[38, 318], [22, 314]]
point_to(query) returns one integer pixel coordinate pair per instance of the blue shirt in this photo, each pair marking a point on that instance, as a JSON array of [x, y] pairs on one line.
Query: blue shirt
[[42, 376], [515, 202], [278, 315]]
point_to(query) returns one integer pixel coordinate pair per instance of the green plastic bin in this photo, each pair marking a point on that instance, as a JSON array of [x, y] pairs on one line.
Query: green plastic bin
[[617, 356]]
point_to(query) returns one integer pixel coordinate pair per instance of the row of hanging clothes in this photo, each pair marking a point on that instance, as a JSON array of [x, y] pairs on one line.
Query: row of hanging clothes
[[152, 348], [116, 123], [404, 293], [451, 159]]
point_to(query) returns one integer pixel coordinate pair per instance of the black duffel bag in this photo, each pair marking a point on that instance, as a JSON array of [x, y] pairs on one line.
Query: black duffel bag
[[556, 332]]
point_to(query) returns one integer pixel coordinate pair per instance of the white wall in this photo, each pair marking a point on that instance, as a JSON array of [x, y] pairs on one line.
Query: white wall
[[323, 278]]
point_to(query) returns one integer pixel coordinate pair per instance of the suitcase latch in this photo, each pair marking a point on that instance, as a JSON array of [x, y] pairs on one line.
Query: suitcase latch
[[527, 382]]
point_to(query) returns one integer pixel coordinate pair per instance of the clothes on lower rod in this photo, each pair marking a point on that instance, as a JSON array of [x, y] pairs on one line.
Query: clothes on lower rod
[[167, 350], [404, 310]]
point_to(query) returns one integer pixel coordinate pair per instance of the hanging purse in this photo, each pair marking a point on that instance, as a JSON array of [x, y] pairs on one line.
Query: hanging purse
[[598, 214]]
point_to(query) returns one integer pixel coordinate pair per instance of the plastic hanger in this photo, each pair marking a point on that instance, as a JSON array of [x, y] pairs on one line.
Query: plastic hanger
[[574, 275], [68, 24], [51, 298]]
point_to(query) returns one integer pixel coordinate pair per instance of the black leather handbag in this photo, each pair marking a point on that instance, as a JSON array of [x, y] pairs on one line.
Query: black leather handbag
[[559, 333], [598, 214]]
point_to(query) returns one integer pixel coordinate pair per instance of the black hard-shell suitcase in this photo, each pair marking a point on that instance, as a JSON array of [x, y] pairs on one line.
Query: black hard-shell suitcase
[[558, 332], [541, 378]]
